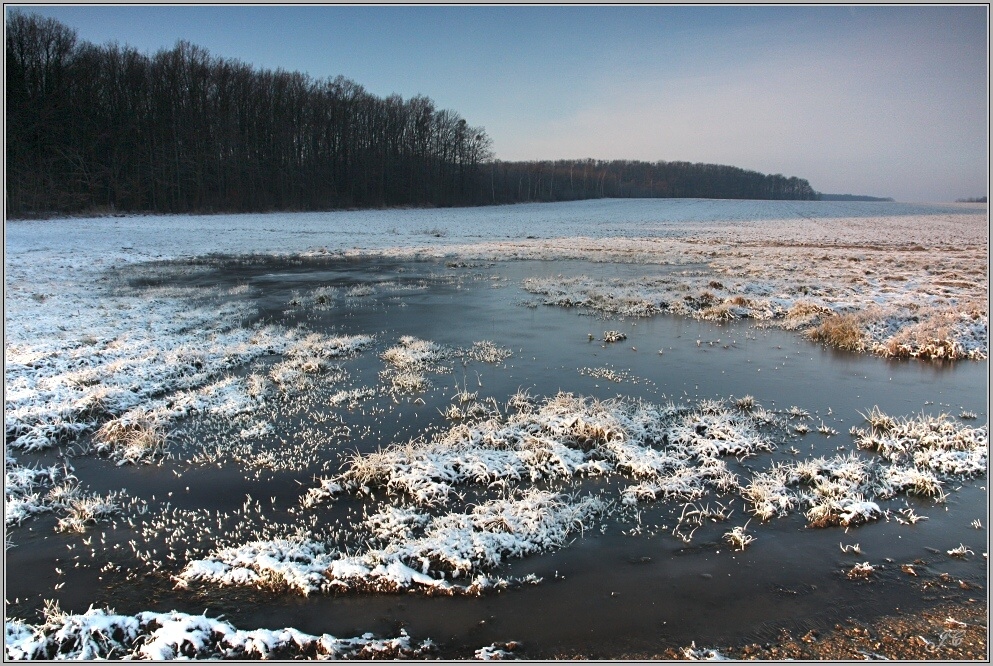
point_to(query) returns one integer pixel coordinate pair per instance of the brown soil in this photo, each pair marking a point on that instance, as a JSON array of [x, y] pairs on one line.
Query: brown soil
[[956, 632]]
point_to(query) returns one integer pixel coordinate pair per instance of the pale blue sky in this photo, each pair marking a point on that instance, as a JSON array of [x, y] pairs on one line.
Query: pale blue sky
[[889, 101]]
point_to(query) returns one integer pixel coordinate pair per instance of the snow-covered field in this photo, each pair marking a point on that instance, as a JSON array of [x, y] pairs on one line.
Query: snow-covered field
[[106, 356]]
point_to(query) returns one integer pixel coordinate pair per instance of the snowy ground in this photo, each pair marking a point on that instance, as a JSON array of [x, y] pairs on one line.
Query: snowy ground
[[99, 357]]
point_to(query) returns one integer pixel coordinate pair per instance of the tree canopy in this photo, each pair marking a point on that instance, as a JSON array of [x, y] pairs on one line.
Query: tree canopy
[[106, 128]]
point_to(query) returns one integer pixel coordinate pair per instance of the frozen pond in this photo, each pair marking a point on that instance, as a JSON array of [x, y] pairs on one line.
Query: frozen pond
[[411, 346]]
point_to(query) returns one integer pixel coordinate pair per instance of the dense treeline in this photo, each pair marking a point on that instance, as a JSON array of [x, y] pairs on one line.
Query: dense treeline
[[850, 197], [108, 128], [565, 180]]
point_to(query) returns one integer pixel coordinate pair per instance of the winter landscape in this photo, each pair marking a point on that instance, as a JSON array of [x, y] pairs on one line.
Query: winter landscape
[[619, 428]]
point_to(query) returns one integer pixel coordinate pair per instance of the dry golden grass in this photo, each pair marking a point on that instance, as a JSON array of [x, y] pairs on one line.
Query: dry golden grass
[[841, 331]]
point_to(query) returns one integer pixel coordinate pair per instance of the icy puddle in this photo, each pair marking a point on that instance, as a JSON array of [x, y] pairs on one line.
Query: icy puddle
[[425, 446]]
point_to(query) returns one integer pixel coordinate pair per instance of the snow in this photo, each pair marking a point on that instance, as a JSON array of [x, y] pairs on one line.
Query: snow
[[102, 634], [427, 552], [563, 438]]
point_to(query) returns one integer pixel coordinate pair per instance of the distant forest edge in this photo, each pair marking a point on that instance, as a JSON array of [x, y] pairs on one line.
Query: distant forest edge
[[850, 197], [106, 128]]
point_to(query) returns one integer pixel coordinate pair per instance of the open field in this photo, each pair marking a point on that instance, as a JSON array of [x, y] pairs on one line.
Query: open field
[[418, 432]]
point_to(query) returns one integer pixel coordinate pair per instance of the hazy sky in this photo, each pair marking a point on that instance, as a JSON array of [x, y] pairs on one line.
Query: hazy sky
[[888, 101]]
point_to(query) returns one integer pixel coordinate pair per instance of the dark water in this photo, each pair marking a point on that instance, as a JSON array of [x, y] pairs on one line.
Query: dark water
[[608, 594]]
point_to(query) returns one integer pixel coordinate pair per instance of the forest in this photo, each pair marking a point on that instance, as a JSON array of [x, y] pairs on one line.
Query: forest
[[102, 129]]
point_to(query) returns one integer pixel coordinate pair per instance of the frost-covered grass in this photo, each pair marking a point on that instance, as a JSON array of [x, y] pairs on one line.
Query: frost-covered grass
[[420, 538], [89, 353], [881, 323], [487, 351], [128, 361], [738, 537], [861, 570], [669, 450], [101, 634], [415, 354], [916, 455], [24, 489], [132, 438], [82, 511], [497, 652], [136, 351], [408, 362], [416, 551], [931, 444], [33, 490]]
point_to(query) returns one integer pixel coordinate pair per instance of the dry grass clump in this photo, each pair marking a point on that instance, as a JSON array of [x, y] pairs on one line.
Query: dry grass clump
[[132, 438], [486, 351], [879, 420], [847, 511], [522, 402], [85, 510], [843, 331], [316, 345], [414, 354], [910, 480], [257, 386], [803, 314], [408, 382], [936, 443], [746, 403], [940, 335], [720, 312], [738, 538], [961, 551], [408, 362], [860, 571], [769, 493], [97, 403]]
